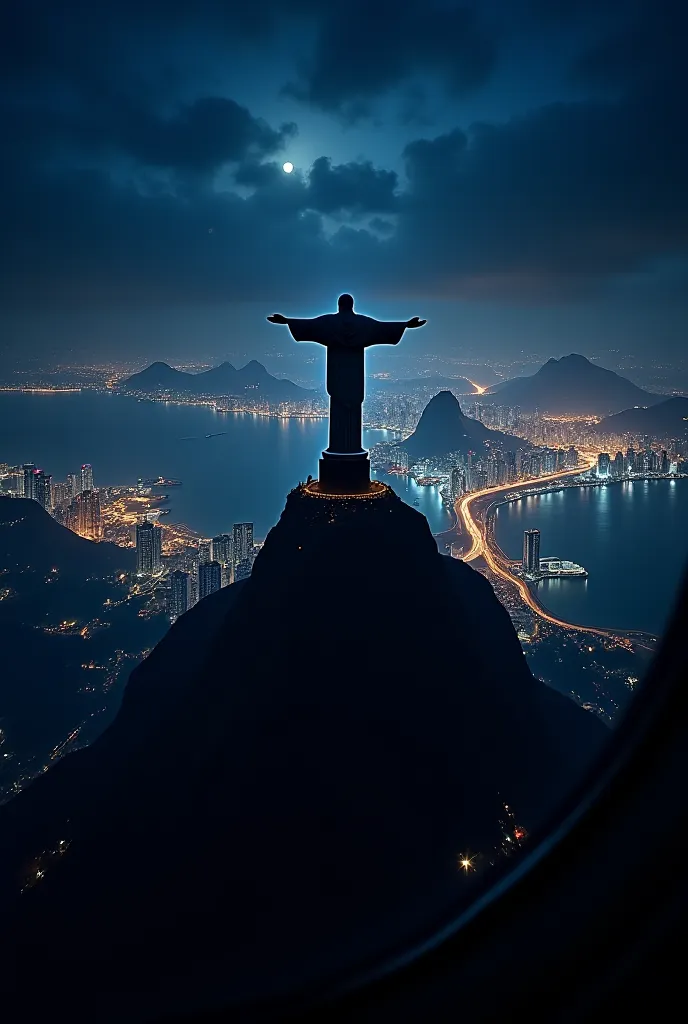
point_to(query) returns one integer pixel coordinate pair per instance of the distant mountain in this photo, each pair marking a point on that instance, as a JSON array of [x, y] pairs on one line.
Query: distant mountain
[[252, 379], [667, 419], [572, 385], [443, 428]]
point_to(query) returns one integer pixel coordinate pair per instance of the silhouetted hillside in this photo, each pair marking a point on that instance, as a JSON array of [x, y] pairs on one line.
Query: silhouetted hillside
[[47, 685], [30, 536], [572, 385], [252, 379], [291, 778], [667, 419], [443, 428]]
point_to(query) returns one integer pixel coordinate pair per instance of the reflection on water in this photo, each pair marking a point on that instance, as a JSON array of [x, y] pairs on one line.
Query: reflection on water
[[242, 475], [631, 538]]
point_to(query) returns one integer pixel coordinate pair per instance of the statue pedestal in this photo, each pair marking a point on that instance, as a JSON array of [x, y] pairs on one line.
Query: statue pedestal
[[344, 474]]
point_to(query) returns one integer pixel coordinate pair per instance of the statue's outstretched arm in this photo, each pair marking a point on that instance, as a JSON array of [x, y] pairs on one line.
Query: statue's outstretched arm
[[303, 329]]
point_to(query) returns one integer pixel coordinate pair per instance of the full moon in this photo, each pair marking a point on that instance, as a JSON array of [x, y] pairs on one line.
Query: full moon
[[288, 167]]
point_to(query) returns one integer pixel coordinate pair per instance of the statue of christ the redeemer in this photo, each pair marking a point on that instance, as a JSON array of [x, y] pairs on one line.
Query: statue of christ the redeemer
[[344, 466]]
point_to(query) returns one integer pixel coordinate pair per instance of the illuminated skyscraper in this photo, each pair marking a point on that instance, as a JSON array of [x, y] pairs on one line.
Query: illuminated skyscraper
[[511, 470], [209, 578], [204, 551], [561, 458], [457, 483], [242, 543], [87, 477], [29, 479], [148, 547], [222, 548], [603, 461], [42, 489], [180, 594], [73, 484], [531, 550], [630, 461], [17, 482], [85, 518], [571, 458], [61, 495], [617, 466], [664, 462]]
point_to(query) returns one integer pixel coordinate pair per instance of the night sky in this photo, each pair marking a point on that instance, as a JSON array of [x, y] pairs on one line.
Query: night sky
[[514, 170]]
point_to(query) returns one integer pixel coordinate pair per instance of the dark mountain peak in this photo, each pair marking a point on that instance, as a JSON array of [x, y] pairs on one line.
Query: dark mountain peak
[[573, 385], [444, 428], [354, 763], [575, 357], [224, 379], [255, 367]]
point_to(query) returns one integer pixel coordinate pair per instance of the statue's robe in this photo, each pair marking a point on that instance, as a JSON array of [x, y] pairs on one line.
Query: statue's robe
[[346, 335]]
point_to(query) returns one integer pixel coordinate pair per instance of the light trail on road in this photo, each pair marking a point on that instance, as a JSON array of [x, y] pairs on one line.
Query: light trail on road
[[480, 548]]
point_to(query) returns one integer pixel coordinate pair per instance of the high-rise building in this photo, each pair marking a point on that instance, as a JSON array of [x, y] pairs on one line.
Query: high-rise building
[[531, 550], [209, 578], [535, 464], [148, 547], [617, 466], [180, 593], [603, 461], [457, 483], [61, 495], [571, 458], [221, 549], [655, 462], [242, 569], [17, 482], [664, 462], [205, 552], [73, 484], [242, 544], [42, 484], [511, 470], [561, 458], [87, 477], [29, 479], [84, 516]]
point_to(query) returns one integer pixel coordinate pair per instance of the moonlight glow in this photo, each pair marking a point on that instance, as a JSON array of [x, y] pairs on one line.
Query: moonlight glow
[[288, 167]]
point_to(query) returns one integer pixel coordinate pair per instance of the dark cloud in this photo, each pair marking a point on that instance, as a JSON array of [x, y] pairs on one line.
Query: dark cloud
[[646, 52], [356, 188], [202, 136], [127, 181], [365, 49]]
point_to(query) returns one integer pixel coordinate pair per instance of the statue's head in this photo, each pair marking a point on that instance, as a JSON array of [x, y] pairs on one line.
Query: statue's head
[[345, 303]]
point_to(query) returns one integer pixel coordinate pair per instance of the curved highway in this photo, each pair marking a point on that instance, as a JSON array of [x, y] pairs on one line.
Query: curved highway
[[481, 548]]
